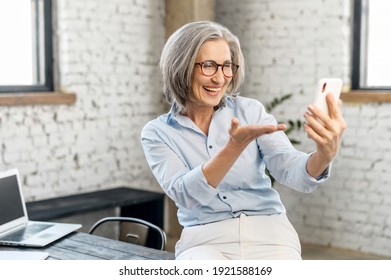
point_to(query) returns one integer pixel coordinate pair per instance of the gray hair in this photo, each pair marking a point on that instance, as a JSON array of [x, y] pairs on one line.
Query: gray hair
[[178, 58]]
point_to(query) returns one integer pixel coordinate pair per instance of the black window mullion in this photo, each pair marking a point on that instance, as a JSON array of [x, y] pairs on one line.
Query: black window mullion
[[48, 45], [356, 44]]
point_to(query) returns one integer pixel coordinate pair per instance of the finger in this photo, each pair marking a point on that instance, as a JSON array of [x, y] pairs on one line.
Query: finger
[[313, 135], [281, 126], [337, 115], [234, 124], [316, 114], [332, 105], [259, 130], [268, 129], [339, 103], [315, 125]]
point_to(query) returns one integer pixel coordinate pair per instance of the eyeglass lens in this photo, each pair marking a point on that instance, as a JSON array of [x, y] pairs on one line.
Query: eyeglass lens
[[209, 68]]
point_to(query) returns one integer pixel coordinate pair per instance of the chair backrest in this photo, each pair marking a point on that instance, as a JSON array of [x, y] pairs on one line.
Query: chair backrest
[[133, 230]]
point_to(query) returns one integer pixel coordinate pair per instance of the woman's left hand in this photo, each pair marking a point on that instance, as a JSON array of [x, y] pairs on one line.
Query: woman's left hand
[[325, 130]]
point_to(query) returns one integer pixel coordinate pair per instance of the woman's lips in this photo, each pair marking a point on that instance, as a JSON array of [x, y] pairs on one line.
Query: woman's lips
[[213, 90]]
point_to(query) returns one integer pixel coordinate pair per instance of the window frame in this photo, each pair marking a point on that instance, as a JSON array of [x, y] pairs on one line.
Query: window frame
[[48, 86], [359, 94], [359, 48]]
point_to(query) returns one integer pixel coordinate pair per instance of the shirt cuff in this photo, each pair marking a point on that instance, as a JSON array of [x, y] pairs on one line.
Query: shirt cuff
[[322, 177], [326, 174], [198, 187]]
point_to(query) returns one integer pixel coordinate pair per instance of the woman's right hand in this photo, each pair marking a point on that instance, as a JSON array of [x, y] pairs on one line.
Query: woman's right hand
[[241, 136]]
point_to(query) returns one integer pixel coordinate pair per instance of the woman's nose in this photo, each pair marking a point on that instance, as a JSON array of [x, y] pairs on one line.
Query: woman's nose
[[218, 77]]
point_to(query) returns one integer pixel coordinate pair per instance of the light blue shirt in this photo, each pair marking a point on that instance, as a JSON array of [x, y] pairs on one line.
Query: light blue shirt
[[176, 149]]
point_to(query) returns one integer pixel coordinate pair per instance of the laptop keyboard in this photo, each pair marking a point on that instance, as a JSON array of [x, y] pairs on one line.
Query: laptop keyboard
[[26, 232]]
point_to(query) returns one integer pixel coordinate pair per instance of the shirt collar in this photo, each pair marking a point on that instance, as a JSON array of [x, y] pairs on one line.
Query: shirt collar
[[174, 117]]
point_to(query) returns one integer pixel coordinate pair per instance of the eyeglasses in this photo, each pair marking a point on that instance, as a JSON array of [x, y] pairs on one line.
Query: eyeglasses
[[209, 68]]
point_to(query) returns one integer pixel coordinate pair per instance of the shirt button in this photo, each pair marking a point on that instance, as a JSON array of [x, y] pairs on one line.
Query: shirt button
[[224, 197], [210, 146]]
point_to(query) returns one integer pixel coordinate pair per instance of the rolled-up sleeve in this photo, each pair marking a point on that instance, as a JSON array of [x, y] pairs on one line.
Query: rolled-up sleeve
[[187, 187], [285, 163]]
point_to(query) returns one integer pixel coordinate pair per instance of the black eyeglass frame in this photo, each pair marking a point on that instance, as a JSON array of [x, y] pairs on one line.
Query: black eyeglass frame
[[217, 68]]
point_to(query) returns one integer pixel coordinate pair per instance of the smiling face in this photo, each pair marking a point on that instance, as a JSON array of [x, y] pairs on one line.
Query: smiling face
[[208, 91]]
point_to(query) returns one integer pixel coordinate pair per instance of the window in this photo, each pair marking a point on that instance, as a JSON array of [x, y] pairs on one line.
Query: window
[[26, 46], [372, 45]]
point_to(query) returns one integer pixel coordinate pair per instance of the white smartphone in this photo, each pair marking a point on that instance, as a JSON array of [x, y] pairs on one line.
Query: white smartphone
[[326, 85]]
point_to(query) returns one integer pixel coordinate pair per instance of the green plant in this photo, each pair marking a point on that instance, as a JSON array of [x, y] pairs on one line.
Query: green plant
[[291, 124]]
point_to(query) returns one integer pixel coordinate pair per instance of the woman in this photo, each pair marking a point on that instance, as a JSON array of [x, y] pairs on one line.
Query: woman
[[209, 153]]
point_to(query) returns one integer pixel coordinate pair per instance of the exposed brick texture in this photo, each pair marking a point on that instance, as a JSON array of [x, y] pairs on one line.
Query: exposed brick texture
[[107, 53]]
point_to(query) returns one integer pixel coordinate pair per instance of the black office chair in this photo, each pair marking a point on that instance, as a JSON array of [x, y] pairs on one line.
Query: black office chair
[[134, 230]]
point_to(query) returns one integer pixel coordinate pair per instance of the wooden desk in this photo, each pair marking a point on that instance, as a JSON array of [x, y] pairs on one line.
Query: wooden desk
[[84, 246]]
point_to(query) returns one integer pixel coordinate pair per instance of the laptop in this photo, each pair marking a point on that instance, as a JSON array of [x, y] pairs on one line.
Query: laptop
[[15, 227], [23, 255]]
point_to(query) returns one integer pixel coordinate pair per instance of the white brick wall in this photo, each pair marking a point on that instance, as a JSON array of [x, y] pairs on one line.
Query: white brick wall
[[289, 45], [107, 52]]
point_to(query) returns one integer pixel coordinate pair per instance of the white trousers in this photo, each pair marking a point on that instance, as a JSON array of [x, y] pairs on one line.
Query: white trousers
[[244, 238]]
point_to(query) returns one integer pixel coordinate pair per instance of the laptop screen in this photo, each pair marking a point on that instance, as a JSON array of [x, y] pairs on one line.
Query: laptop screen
[[11, 206]]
